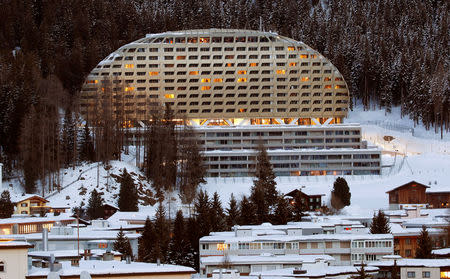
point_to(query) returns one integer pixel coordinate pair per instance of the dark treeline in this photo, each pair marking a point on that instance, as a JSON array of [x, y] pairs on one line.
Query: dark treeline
[[390, 53]]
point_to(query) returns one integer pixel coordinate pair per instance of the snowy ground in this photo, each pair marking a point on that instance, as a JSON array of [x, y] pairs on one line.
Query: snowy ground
[[427, 162]]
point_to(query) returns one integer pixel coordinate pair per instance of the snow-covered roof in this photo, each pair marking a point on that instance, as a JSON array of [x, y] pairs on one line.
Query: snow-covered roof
[[286, 238], [11, 243], [59, 218], [67, 253], [413, 262], [130, 216], [314, 272], [85, 234], [17, 199], [95, 267], [399, 230], [441, 252], [269, 258]]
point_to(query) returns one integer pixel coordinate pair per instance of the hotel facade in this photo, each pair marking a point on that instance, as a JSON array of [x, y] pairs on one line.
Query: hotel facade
[[237, 87]]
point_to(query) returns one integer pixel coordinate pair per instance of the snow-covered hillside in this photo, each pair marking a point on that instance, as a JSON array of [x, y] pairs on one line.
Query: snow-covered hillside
[[78, 183], [427, 161]]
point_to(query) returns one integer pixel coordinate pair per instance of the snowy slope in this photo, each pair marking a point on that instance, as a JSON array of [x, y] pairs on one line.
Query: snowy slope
[[427, 161], [78, 183]]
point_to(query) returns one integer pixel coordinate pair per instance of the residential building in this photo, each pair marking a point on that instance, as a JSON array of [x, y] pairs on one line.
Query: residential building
[[406, 239], [114, 269], [318, 271], [13, 258], [413, 268], [305, 162], [30, 204], [345, 248], [73, 238], [27, 225], [260, 263], [109, 210], [406, 194], [415, 194], [438, 198], [312, 201]]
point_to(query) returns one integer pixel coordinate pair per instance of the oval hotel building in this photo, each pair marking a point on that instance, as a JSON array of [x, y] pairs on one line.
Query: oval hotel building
[[238, 87]]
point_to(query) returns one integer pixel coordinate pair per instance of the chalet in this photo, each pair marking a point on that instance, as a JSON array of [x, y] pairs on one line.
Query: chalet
[[313, 201], [438, 198], [31, 204], [407, 194], [109, 210], [415, 194]]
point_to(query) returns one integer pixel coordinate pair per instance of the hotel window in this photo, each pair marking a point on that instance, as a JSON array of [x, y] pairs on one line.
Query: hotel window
[[180, 40]]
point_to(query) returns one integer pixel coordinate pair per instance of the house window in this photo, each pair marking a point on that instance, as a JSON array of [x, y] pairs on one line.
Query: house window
[[23, 204], [2, 266], [408, 253], [426, 274], [411, 274]]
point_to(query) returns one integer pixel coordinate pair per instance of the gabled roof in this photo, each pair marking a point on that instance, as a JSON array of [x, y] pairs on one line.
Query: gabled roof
[[305, 191], [408, 184], [27, 197]]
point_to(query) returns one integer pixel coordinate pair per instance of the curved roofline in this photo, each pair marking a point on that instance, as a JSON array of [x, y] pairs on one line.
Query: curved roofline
[[212, 30]]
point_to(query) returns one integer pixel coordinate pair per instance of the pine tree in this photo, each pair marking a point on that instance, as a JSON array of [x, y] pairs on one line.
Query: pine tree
[[264, 193], [217, 214], [95, 205], [87, 152], [161, 236], [247, 215], [203, 213], [425, 245], [283, 212], [361, 273], [146, 242], [6, 206], [128, 195], [232, 213], [193, 237], [192, 172], [122, 244], [265, 178], [299, 207], [169, 162], [340, 195], [179, 248], [380, 224], [68, 137]]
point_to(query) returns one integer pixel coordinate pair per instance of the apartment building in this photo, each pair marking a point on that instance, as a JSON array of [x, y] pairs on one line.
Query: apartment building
[[246, 265], [345, 248]]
